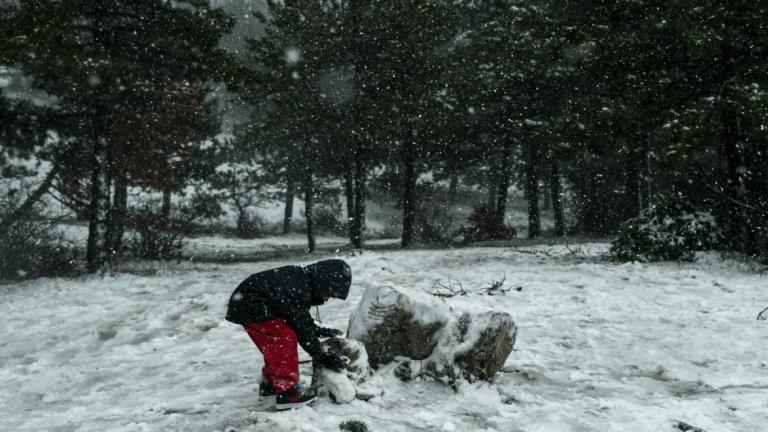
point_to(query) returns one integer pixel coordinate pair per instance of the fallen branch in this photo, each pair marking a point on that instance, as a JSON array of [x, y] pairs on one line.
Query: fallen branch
[[443, 291], [495, 287]]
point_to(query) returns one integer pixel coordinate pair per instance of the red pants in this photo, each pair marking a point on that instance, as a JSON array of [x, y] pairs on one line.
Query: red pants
[[277, 342]]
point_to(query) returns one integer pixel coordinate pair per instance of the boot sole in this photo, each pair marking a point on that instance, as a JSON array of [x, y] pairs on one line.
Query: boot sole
[[285, 407]]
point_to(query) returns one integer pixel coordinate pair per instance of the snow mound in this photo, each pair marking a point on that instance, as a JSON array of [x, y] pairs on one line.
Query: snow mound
[[339, 385], [356, 382]]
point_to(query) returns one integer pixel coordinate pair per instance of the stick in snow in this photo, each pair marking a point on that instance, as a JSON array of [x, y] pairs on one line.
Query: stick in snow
[[685, 427]]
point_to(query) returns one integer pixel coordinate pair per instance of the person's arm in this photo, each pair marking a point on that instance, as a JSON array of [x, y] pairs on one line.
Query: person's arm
[[302, 323]]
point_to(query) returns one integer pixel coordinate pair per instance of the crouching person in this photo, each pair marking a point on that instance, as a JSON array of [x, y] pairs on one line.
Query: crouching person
[[274, 307]]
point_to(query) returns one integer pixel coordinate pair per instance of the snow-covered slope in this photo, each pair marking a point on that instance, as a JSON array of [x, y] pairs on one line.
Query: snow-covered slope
[[601, 347]]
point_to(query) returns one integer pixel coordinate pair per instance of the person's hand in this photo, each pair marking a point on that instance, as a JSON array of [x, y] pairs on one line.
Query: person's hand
[[327, 332], [332, 361]]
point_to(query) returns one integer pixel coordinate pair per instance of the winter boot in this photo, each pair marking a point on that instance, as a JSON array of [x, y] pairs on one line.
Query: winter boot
[[294, 397], [267, 395], [266, 389]]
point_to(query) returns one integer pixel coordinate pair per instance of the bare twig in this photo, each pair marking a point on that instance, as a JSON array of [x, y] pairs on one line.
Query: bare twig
[[720, 192], [533, 252], [495, 287], [24, 209], [443, 291], [762, 316], [578, 251]]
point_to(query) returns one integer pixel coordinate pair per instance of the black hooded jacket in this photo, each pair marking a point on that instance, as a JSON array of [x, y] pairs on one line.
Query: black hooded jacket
[[288, 293]]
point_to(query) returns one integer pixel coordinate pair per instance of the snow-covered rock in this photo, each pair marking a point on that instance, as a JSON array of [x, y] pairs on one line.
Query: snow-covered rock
[[452, 344], [391, 324], [474, 346]]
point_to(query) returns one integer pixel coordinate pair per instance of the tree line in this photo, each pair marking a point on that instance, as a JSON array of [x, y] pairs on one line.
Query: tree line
[[616, 106]]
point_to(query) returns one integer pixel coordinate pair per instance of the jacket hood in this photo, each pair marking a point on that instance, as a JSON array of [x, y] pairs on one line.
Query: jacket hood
[[330, 278]]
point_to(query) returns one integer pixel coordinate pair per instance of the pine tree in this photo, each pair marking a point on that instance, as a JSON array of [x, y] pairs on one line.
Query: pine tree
[[673, 80], [412, 44], [287, 63], [93, 56]]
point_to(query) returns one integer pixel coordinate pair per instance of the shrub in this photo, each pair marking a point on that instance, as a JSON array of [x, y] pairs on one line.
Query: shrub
[[353, 426], [32, 248], [327, 220], [669, 231], [437, 223], [252, 226], [484, 226], [154, 237]]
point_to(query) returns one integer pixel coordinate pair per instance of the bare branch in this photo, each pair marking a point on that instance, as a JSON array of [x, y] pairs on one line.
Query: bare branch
[[720, 192], [495, 287], [441, 290], [21, 212]]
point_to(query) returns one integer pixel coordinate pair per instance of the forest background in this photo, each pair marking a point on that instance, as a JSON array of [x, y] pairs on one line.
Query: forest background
[[153, 121]]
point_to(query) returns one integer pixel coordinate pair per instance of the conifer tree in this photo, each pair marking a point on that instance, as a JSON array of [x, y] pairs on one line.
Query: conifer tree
[[92, 56]]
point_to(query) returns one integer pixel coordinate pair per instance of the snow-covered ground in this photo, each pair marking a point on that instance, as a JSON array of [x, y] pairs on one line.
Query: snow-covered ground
[[601, 347], [211, 247], [222, 248]]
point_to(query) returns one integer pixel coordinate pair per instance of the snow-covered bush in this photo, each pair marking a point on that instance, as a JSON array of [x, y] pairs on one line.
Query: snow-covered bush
[[483, 225], [669, 231]]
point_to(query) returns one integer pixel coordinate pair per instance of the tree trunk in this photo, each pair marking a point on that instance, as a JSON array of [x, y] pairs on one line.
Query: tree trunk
[[167, 194], [546, 198], [493, 184], [349, 193], [645, 159], [632, 185], [733, 160], [359, 216], [556, 197], [242, 215], [737, 217], [119, 214], [98, 216], [309, 192], [289, 194], [99, 205], [453, 188], [532, 192], [504, 179], [409, 194], [23, 210]]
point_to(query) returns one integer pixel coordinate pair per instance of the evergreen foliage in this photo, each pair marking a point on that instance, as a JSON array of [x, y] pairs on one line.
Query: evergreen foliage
[[604, 108], [482, 225], [124, 81], [672, 230], [353, 426]]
